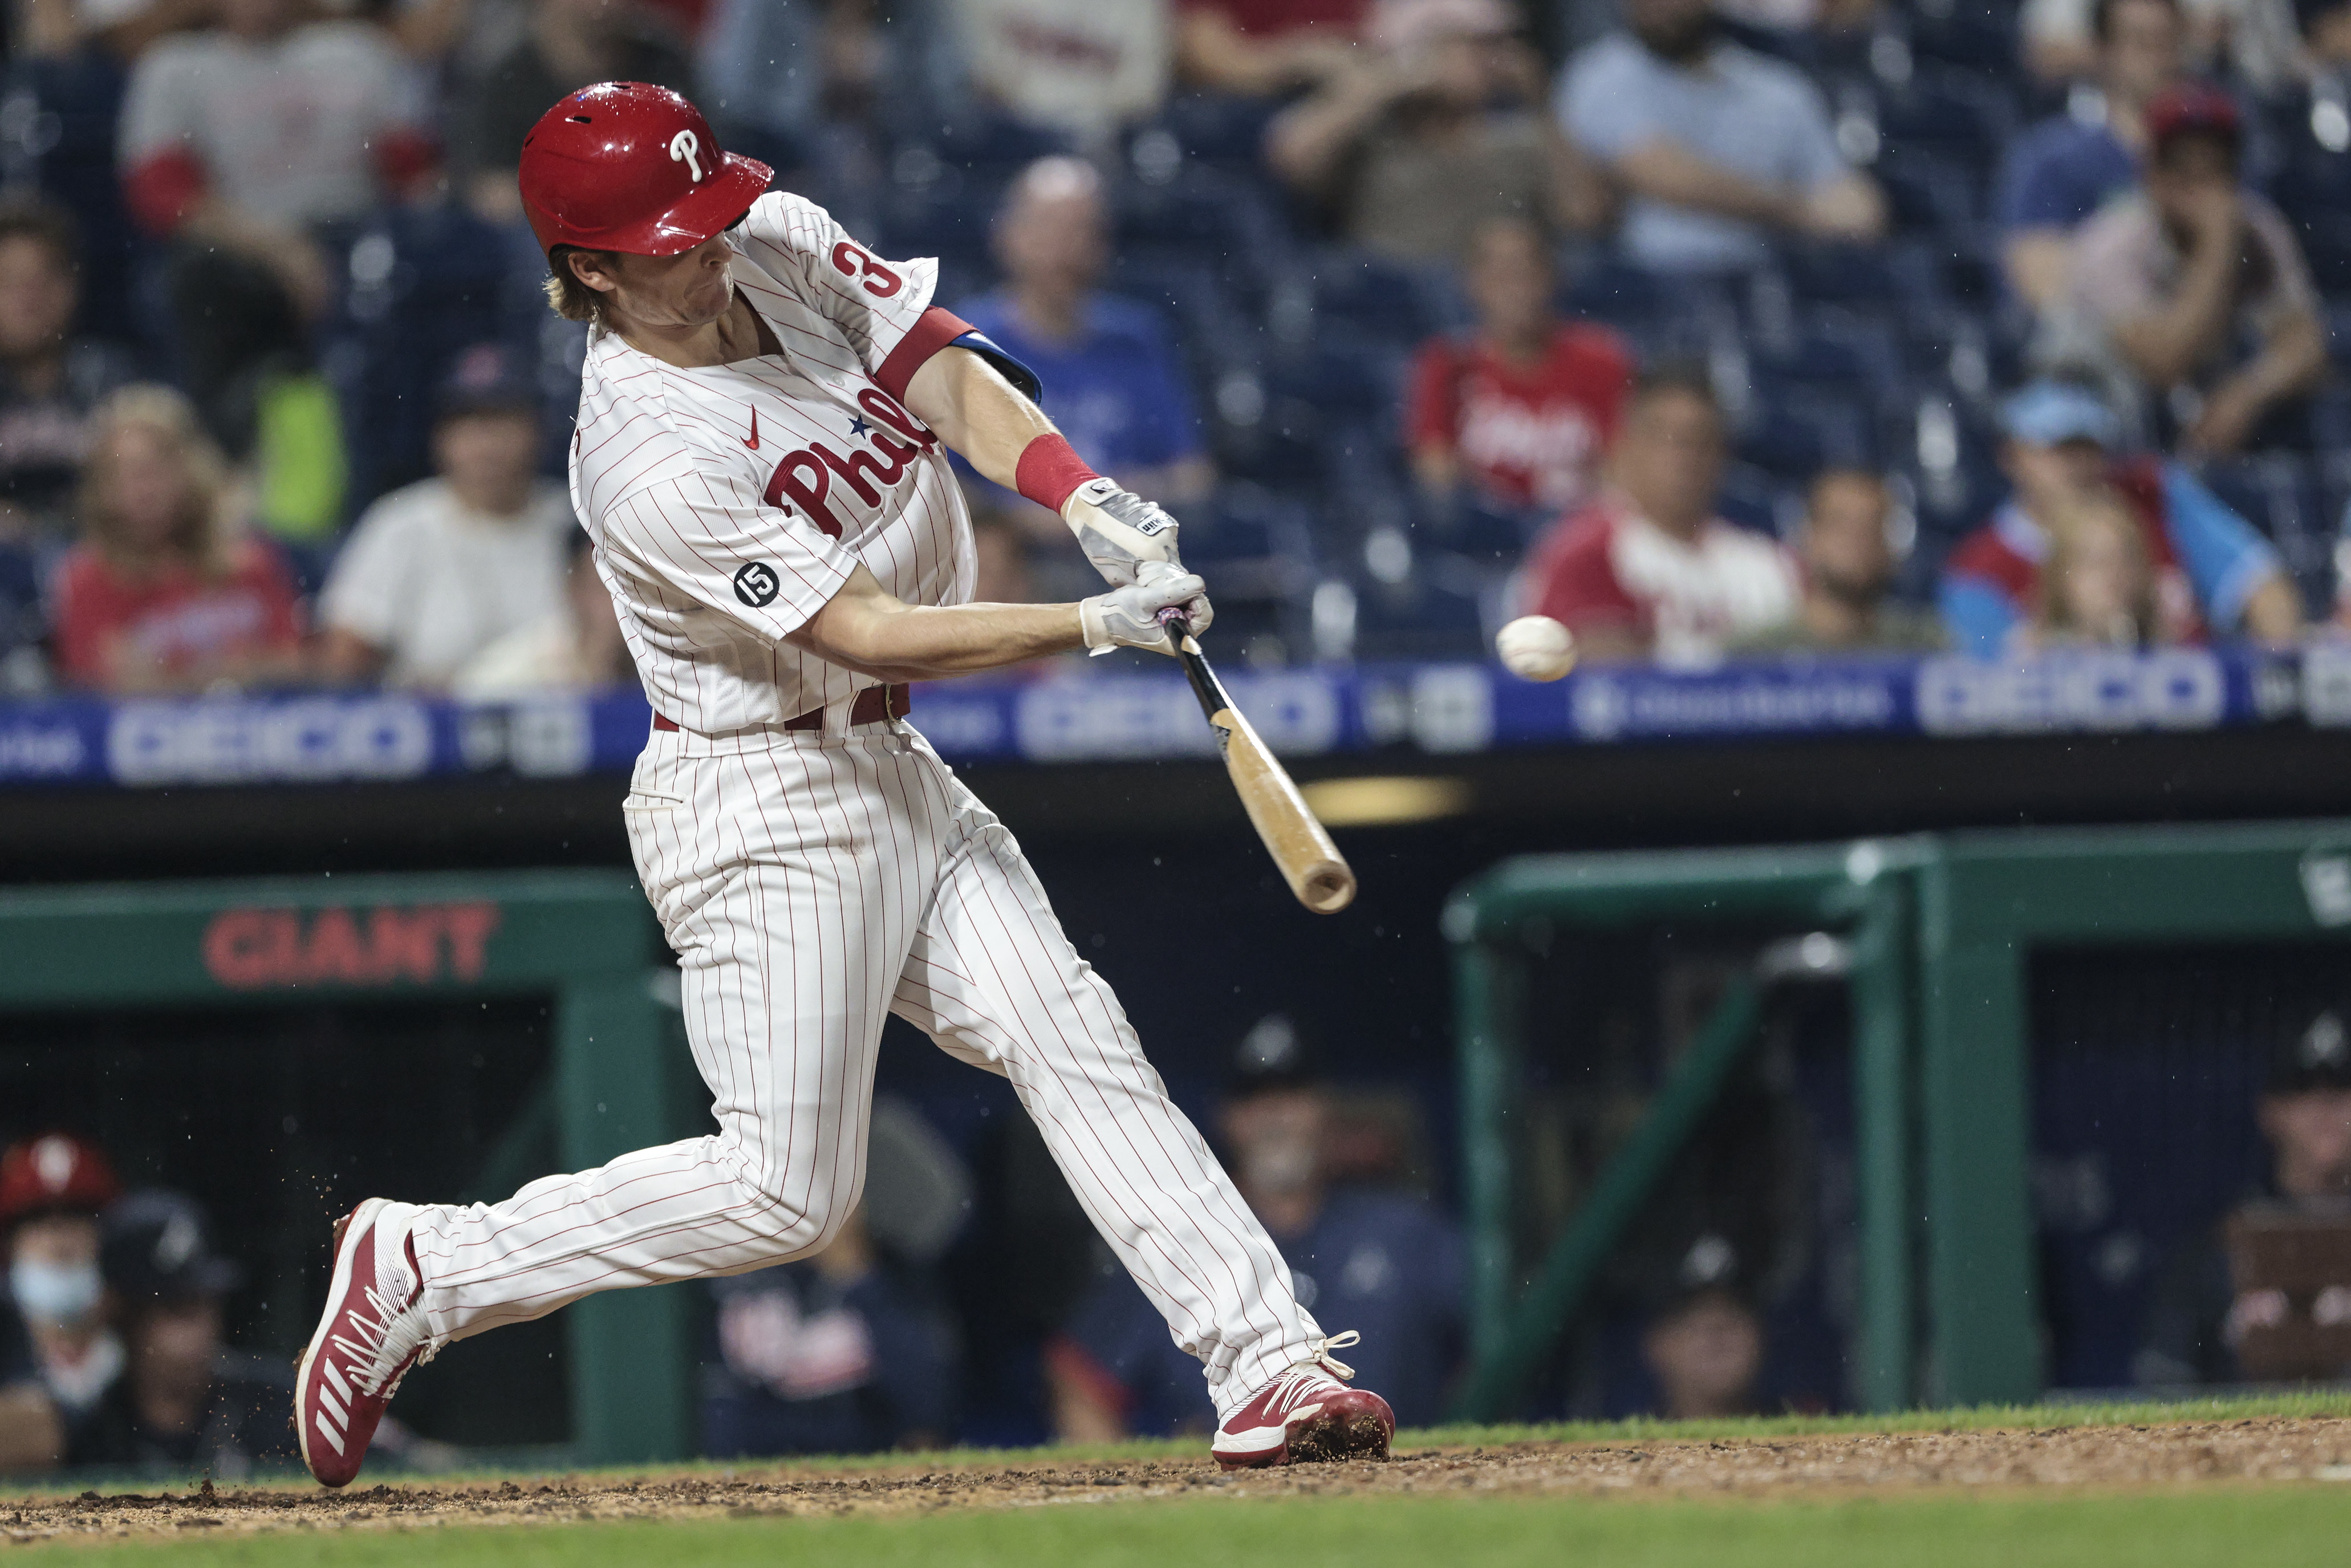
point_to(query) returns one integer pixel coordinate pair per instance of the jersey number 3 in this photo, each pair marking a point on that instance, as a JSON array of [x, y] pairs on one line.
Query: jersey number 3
[[880, 281]]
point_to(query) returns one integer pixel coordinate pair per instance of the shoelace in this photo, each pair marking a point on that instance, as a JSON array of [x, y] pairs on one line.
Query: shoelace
[[379, 1356], [1321, 1357], [1292, 1387]]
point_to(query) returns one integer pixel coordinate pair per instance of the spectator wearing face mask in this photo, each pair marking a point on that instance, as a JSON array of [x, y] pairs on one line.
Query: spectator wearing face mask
[[185, 1401], [52, 1190], [1386, 1265]]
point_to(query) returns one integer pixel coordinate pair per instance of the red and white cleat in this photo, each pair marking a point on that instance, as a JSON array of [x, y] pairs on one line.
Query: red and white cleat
[[373, 1332], [1308, 1413]]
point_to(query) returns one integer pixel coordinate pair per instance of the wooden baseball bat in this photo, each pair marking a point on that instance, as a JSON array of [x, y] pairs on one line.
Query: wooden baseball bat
[[1301, 846]]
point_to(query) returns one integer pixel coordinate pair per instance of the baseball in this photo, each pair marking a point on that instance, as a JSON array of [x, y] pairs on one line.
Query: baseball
[[1536, 648]]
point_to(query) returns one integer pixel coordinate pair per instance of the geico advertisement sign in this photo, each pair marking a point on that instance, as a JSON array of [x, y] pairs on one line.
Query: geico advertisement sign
[[234, 742], [2175, 688]]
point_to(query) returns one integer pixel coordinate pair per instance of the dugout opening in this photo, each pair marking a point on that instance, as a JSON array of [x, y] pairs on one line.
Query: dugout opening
[[392, 986], [280, 1119]]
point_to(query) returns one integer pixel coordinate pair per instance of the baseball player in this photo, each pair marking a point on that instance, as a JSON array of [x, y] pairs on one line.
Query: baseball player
[[760, 461]]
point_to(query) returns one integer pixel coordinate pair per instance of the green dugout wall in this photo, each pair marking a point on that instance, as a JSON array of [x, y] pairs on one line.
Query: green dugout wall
[[1941, 931], [583, 939]]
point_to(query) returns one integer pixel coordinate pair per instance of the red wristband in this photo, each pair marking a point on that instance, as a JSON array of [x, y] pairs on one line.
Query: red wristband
[[1049, 470]]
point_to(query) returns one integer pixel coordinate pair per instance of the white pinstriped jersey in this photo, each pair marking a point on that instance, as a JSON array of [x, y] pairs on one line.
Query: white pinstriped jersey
[[728, 503]]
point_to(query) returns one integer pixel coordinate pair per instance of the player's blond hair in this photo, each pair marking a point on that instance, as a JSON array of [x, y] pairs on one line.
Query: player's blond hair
[[202, 533], [566, 295]]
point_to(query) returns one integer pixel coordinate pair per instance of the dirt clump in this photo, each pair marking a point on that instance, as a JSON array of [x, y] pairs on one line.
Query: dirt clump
[[2271, 1449]]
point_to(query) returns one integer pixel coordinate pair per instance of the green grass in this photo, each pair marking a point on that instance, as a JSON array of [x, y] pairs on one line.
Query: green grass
[[2270, 1527]]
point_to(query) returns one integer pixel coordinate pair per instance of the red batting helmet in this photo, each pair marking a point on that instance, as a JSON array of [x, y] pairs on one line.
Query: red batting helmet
[[54, 1173], [625, 166]]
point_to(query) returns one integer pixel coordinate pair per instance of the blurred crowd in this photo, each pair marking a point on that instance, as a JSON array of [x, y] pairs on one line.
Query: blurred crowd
[[1709, 327]]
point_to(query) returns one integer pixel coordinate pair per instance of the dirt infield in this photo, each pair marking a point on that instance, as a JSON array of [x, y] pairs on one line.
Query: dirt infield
[[2170, 1456]]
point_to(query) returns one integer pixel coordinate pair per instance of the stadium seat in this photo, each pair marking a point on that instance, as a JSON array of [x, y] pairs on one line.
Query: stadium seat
[[1928, 191], [935, 209], [1755, 498], [1793, 434], [1358, 298], [65, 110], [1220, 131], [1259, 548], [425, 282], [1973, 37], [1957, 114], [1439, 609]]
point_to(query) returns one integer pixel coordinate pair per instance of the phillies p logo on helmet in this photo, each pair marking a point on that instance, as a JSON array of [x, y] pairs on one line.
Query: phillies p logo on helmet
[[600, 171]]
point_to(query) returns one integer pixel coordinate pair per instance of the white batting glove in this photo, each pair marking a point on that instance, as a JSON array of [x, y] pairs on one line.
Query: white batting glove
[[1129, 617], [1118, 531]]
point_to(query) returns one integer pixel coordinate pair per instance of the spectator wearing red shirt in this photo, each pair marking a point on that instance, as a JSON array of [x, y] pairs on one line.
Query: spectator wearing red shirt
[[1255, 49], [162, 594], [1648, 569], [1517, 413]]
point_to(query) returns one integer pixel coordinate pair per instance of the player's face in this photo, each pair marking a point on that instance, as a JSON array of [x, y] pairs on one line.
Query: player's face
[[687, 290], [37, 298]]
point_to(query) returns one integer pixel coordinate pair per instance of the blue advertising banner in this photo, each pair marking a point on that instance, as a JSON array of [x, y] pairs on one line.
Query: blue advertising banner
[[1434, 709]]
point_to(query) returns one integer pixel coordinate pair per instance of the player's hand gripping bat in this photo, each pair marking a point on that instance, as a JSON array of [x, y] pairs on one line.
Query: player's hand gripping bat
[[1317, 873]]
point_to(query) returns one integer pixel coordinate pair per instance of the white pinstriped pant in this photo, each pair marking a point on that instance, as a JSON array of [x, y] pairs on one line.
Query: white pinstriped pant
[[811, 885]]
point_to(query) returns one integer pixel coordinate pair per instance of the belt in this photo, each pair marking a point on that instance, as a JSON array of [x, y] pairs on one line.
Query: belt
[[873, 705]]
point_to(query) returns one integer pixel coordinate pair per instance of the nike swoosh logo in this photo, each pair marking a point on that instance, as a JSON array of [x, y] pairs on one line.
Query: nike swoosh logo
[[752, 441]]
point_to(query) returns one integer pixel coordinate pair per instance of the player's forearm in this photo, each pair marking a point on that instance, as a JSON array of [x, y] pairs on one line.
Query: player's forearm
[[975, 412], [893, 640]]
